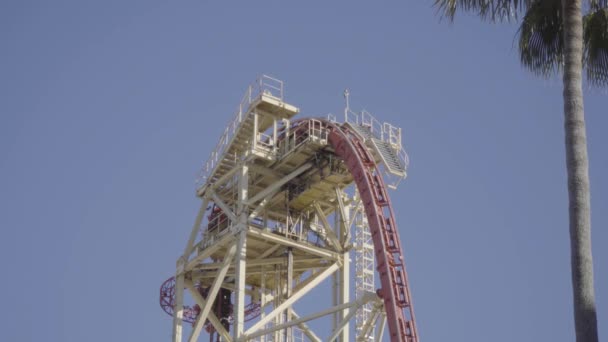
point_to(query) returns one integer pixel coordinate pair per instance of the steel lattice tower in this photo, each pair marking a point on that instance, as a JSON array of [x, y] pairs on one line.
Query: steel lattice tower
[[280, 197]]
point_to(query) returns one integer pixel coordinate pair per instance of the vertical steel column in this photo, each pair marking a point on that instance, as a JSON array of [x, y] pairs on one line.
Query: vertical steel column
[[275, 136], [178, 309], [241, 254], [344, 272], [288, 292], [277, 301], [256, 135], [263, 297], [336, 279]]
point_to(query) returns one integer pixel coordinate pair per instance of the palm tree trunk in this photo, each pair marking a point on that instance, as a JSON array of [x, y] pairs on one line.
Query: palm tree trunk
[[585, 319]]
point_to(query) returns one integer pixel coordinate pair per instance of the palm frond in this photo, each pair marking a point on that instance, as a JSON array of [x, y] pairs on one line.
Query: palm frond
[[595, 54], [491, 10], [540, 38], [597, 4]]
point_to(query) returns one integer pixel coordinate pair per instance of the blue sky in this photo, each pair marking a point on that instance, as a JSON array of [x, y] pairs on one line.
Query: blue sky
[[108, 109]]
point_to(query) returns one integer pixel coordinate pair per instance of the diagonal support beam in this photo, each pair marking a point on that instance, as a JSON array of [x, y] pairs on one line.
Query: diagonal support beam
[[331, 235], [196, 228], [343, 218], [371, 320], [306, 329], [380, 328], [269, 251], [342, 324], [208, 251], [223, 206], [297, 295], [352, 305], [221, 274], [178, 308], [211, 317], [267, 236], [276, 185], [263, 204], [224, 178], [358, 207]]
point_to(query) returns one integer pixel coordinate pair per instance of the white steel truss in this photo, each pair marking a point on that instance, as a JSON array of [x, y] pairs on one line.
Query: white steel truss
[[364, 270]]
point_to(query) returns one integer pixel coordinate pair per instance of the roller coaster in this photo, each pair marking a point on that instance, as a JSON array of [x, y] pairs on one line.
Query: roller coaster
[[286, 203]]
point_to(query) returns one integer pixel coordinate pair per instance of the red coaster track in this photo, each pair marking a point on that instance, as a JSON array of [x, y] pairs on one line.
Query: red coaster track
[[395, 292]]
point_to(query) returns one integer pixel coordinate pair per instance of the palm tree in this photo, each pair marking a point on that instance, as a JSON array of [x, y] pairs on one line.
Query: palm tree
[[554, 36]]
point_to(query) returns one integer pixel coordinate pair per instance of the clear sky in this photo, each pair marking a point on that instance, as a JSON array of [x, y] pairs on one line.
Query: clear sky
[[109, 108]]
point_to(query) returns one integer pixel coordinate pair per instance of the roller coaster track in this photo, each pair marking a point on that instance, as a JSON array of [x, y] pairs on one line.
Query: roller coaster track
[[395, 292]]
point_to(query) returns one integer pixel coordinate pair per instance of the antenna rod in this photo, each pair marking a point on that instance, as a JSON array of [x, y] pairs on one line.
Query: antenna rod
[[347, 109]]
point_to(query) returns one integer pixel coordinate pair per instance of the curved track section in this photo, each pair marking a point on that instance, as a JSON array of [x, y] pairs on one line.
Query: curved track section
[[395, 293], [167, 303]]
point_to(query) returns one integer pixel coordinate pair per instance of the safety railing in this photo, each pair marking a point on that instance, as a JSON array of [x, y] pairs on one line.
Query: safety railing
[[265, 140], [382, 131], [217, 227], [332, 118], [375, 127], [351, 117], [392, 134], [271, 86], [404, 158], [303, 132], [266, 86]]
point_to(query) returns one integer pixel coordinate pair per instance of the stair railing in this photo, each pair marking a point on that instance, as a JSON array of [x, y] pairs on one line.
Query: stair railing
[[375, 127]]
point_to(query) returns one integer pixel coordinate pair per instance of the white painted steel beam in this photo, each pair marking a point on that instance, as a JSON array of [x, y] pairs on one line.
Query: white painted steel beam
[[205, 253], [296, 296], [303, 283], [380, 328], [224, 178], [196, 228], [263, 204], [211, 317], [221, 274], [268, 236], [344, 275], [331, 235], [278, 184], [353, 306], [306, 329], [258, 262], [289, 290], [357, 208], [344, 272], [241, 254], [218, 201], [255, 272], [264, 171], [344, 212], [268, 251], [369, 323], [297, 321], [178, 308], [344, 323]]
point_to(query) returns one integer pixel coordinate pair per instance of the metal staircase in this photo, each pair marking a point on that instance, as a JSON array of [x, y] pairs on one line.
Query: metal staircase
[[383, 150], [389, 156]]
